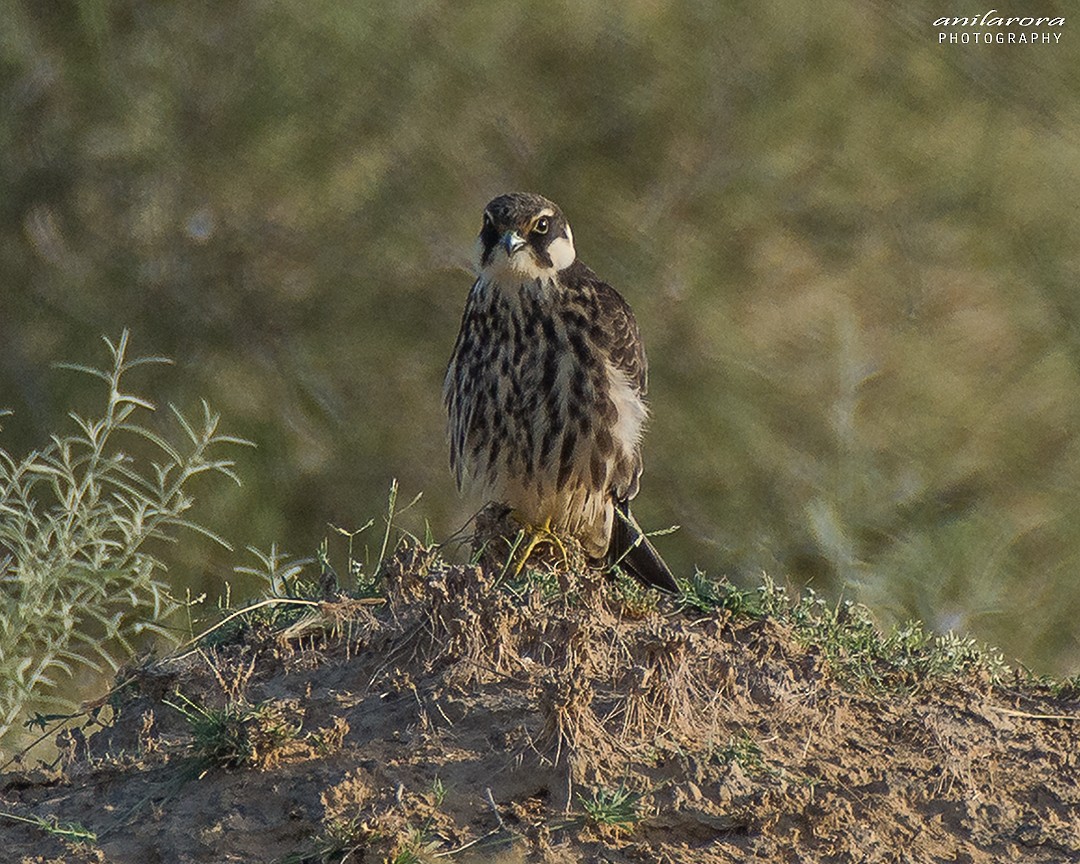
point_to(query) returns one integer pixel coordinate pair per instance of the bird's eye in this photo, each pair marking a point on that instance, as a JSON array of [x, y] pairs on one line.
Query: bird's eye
[[541, 226]]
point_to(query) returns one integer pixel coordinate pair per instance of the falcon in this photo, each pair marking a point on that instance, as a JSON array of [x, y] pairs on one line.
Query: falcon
[[545, 390]]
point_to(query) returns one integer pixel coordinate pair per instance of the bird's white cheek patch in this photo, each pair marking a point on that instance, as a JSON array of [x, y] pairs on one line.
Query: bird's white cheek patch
[[561, 251]]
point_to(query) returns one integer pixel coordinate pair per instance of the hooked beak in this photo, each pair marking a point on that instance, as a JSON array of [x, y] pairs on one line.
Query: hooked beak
[[512, 242]]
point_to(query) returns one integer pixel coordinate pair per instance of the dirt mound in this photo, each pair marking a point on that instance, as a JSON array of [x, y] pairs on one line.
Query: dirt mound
[[557, 718]]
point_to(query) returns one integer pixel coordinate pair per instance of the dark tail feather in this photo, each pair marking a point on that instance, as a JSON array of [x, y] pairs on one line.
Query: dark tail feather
[[631, 550]]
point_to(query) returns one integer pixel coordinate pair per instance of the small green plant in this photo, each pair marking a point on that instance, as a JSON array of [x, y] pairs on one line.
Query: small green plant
[[342, 841], [72, 832], [858, 651], [742, 750], [438, 791], [637, 599], [296, 598], [1067, 687], [283, 579], [542, 581], [701, 594], [281, 573], [237, 734], [417, 846], [78, 579], [407, 856], [615, 808]]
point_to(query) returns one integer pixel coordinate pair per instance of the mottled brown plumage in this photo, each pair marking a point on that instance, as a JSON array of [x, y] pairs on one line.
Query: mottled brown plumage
[[545, 389]]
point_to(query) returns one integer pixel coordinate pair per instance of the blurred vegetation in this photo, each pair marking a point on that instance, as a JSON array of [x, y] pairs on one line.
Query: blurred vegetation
[[852, 252]]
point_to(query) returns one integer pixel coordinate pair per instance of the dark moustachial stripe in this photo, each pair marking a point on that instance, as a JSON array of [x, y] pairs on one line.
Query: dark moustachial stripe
[[489, 236], [539, 244]]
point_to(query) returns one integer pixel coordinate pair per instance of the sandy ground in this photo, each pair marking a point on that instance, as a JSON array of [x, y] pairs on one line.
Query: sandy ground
[[460, 722]]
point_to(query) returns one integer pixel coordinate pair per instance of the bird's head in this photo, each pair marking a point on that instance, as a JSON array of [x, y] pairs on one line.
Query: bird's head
[[524, 235]]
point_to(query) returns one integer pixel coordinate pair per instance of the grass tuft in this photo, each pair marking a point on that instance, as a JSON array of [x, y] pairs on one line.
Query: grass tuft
[[613, 808], [638, 600], [342, 841], [744, 751], [238, 734], [417, 846], [855, 648]]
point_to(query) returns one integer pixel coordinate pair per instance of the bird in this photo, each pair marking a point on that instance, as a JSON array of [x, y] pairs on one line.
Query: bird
[[545, 390]]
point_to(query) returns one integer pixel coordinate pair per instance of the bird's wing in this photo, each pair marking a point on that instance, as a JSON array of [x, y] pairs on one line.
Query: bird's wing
[[622, 339], [615, 333], [626, 349], [458, 386]]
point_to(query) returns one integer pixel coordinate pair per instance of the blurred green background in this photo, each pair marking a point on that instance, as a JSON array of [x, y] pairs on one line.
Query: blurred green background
[[853, 253]]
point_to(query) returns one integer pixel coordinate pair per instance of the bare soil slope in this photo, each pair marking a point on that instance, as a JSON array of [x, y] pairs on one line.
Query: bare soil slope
[[561, 719]]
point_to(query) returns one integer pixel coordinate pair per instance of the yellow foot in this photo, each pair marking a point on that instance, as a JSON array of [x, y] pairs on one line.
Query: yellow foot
[[531, 537]]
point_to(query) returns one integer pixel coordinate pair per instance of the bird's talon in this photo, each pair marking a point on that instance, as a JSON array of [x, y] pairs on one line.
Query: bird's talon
[[535, 535]]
